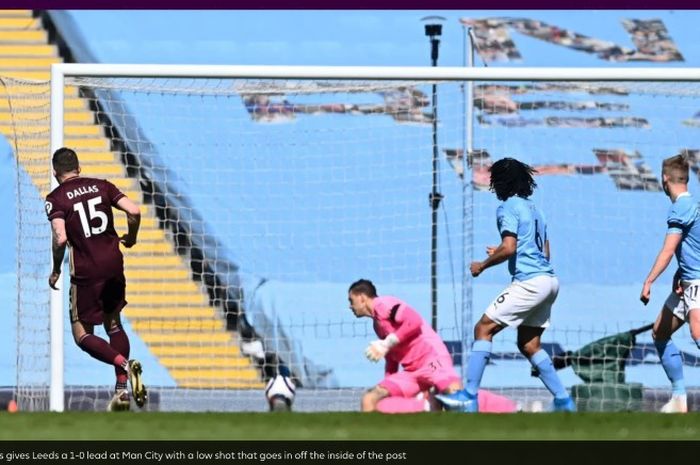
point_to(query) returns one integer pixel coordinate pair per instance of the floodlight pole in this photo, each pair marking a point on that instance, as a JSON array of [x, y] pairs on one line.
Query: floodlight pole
[[434, 31]]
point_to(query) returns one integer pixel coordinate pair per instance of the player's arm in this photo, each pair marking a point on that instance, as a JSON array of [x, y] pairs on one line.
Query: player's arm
[[58, 249], [133, 220], [671, 243], [508, 246], [547, 253], [408, 327]]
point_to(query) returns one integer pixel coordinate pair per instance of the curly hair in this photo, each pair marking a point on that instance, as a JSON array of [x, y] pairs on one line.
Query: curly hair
[[511, 177]]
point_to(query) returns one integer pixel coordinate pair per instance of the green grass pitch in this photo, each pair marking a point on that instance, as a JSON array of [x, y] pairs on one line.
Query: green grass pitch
[[346, 426]]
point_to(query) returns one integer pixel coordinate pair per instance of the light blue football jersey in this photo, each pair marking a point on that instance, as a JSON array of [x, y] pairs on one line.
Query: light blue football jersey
[[683, 219], [521, 218]]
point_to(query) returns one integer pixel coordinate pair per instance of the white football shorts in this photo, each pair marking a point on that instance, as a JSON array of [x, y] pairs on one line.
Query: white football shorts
[[527, 303], [681, 305]]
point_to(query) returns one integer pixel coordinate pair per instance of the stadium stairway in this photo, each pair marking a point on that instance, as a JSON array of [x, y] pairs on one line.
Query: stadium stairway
[[167, 309]]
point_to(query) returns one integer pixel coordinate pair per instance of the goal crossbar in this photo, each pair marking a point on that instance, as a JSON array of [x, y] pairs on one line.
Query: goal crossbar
[[62, 70], [377, 73]]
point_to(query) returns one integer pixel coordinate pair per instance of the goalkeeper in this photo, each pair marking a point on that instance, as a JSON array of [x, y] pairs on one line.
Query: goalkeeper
[[406, 340]]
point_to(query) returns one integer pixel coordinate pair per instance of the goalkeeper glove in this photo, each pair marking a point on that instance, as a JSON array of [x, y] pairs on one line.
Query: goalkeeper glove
[[378, 349]]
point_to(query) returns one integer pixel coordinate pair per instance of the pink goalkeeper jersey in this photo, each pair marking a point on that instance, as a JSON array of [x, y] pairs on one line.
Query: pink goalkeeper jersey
[[418, 343]]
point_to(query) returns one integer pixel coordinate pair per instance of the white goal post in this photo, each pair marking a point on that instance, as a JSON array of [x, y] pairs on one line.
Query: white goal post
[[479, 216]]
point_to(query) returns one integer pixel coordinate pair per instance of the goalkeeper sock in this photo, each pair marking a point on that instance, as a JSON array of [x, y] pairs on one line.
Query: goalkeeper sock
[[481, 351], [673, 364], [548, 374]]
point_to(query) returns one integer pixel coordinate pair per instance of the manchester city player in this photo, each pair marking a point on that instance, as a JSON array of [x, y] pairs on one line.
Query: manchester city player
[[525, 304], [683, 240]]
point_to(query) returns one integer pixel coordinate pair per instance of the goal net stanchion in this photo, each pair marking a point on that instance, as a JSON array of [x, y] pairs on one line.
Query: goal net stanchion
[[268, 190]]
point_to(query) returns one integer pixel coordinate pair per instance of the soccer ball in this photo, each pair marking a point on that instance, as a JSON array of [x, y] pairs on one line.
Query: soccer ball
[[280, 393]]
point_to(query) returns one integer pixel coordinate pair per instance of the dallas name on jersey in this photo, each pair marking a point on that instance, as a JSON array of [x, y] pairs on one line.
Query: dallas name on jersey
[[82, 191]]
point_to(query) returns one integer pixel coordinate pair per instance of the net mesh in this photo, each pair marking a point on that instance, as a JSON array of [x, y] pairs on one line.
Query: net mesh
[[263, 200]]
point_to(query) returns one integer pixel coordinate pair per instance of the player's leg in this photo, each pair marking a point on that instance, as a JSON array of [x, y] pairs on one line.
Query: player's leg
[[441, 373], [665, 325], [130, 368], [529, 344], [491, 323], [693, 319], [99, 349], [397, 393], [85, 312], [119, 342], [467, 399], [484, 331], [691, 298], [95, 346], [113, 301], [694, 323], [449, 384], [540, 294], [490, 402], [670, 318], [415, 404], [371, 398]]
